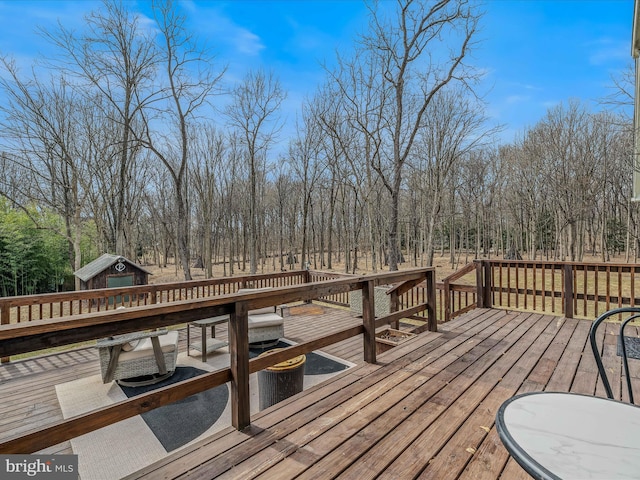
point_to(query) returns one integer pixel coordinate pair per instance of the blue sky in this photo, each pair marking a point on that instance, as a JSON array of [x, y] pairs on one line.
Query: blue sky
[[535, 53]]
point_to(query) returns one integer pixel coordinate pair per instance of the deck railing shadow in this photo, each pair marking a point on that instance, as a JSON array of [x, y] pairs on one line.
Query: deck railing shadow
[[18, 338]]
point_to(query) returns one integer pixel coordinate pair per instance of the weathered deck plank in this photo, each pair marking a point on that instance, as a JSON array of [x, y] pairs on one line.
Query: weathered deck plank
[[394, 432], [468, 400], [461, 447]]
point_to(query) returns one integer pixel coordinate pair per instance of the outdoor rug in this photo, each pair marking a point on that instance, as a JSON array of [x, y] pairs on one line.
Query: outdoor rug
[[132, 444], [122, 448], [178, 423], [632, 345]]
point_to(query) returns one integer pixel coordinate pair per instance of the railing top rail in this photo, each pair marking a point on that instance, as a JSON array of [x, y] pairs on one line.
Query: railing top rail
[[137, 289], [560, 264], [468, 268]]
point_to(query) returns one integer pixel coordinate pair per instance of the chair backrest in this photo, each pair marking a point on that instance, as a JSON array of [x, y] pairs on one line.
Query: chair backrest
[[258, 311], [623, 346]]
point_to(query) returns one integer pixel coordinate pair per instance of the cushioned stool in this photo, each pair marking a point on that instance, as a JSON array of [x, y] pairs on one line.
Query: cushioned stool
[[265, 325]]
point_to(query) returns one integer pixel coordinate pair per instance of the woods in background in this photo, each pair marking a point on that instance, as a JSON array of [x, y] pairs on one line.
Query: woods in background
[[129, 139]]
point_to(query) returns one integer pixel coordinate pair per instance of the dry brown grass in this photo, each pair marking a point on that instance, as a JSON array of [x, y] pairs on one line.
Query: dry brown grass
[[173, 274], [442, 264]]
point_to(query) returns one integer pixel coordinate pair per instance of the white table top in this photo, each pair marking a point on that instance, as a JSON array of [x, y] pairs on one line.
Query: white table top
[[569, 436]]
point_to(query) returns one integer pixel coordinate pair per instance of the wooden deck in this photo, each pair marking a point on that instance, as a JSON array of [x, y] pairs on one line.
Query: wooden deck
[[425, 410]]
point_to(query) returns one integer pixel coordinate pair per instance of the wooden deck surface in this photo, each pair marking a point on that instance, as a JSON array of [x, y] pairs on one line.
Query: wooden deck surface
[[425, 410]]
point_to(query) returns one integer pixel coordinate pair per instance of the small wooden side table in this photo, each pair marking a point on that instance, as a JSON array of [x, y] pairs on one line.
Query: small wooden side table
[[212, 344]]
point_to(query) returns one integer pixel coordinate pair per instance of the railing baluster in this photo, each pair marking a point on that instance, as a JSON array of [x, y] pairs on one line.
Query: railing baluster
[[585, 278], [619, 287], [608, 276], [544, 288]]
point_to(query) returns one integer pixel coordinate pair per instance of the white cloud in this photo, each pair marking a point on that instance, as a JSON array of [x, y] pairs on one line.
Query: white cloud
[[247, 42], [210, 22], [514, 99], [524, 86], [604, 50]]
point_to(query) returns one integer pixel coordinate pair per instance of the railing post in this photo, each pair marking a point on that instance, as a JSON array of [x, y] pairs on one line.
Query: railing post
[[479, 284], [447, 299], [488, 285], [431, 301], [153, 295], [568, 290], [239, 353], [369, 322], [5, 319], [483, 284], [394, 306], [307, 279]]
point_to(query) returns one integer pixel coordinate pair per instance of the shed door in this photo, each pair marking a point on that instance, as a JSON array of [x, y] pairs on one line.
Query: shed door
[[119, 281]]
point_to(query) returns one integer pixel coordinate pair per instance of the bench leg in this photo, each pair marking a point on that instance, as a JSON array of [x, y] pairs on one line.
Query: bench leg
[[113, 363], [157, 351]]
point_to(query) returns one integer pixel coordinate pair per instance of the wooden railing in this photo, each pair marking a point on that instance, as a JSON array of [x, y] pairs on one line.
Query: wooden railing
[[564, 288], [341, 299], [54, 305], [529, 285], [452, 299], [20, 338], [457, 298]]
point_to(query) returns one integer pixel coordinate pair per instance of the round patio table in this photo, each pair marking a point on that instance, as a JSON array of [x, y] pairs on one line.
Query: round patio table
[[555, 435]]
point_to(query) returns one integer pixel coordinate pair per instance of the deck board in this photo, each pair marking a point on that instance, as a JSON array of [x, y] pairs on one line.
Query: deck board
[[426, 409]]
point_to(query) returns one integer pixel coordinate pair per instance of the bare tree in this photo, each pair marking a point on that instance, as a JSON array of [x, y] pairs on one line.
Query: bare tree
[[161, 212], [403, 64], [622, 93], [253, 114], [42, 125], [564, 142], [351, 116], [114, 63], [190, 82], [210, 151], [454, 126], [307, 166]]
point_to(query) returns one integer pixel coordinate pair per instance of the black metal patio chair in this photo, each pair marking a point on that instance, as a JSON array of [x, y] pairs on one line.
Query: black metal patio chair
[[629, 348]]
